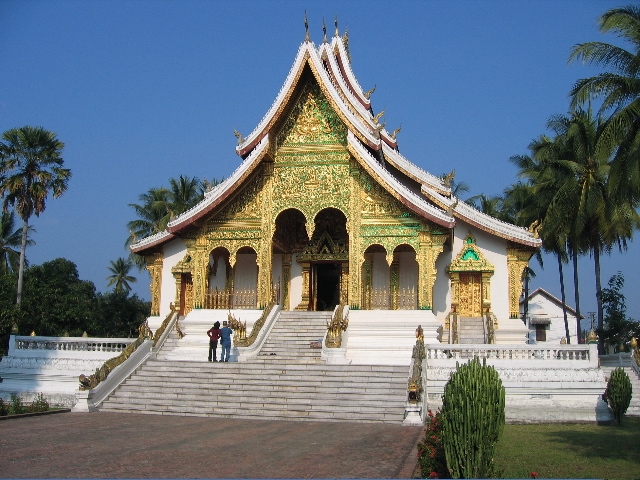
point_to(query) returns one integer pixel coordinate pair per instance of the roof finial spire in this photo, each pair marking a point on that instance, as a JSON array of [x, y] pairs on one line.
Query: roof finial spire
[[335, 21], [324, 29], [345, 40], [306, 27]]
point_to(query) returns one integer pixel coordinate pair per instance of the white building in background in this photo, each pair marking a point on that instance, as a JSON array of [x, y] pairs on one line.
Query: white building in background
[[545, 319]]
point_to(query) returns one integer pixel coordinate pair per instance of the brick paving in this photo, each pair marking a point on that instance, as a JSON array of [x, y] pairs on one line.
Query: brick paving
[[116, 445]]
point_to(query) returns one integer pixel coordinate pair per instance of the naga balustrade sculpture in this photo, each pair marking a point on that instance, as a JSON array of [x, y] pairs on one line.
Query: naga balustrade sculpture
[[338, 324]]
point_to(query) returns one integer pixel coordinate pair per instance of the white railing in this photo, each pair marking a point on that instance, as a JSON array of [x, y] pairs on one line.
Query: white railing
[[21, 345], [541, 356]]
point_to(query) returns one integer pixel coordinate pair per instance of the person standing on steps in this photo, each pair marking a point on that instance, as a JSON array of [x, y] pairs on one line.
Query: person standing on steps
[[214, 335], [225, 335]]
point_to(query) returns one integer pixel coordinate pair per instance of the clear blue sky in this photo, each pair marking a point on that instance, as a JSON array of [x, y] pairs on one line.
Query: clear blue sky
[[143, 91]]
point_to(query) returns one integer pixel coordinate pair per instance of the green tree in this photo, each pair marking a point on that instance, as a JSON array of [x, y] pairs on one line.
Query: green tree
[[153, 214], [30, 168], [56, 301], [120, 277], [184, 193], [118, 315], [541, 184], [618, 329], [10, 239], [619, 91]]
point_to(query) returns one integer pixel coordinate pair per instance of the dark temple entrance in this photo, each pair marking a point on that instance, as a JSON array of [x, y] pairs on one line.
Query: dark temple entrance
[[326, 284]]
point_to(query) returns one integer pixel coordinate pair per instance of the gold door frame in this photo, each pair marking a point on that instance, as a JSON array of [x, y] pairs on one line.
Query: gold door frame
[[470, 260]]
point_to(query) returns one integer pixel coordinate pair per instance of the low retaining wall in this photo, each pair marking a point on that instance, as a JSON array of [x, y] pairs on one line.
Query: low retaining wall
[[557, 383], [52, 365]]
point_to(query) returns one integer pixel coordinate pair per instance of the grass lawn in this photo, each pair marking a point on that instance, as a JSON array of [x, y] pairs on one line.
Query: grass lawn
[[570, 451]]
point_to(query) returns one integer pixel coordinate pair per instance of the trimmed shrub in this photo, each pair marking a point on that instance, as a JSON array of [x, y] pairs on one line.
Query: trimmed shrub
[[472, 419], [618, 393]]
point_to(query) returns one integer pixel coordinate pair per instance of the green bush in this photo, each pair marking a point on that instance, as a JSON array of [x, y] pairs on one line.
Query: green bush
[[618, 393], [4, 408], [431, 457], [17, 407], [39, 404], [473, 419]]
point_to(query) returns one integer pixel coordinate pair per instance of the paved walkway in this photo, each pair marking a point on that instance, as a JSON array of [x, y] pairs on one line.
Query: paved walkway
[[114, 445]]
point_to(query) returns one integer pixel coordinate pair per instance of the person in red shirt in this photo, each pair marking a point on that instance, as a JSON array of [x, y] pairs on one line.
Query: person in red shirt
[[214, 335]]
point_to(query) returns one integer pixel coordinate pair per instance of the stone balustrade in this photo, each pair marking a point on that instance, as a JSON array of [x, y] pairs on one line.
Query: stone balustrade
[[531, 356], [27, 346]]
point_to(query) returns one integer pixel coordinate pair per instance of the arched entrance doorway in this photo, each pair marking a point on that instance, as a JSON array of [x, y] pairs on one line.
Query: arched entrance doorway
[[289, 239], [326, 259]]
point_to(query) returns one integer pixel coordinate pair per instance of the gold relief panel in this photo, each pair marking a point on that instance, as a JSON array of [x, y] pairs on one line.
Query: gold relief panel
[[312, 120], [313, 187], [246, 204]]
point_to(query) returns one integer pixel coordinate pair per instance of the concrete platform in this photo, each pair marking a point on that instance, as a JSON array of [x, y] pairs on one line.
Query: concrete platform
[[115, 445]]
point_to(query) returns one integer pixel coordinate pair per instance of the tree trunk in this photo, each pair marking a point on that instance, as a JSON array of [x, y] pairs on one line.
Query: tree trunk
[[577, 295], [596, 261], [23, 248], [564, 301]]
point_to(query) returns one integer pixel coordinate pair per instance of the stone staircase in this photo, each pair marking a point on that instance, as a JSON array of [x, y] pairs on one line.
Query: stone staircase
[[292, 335], [293, 384], [609, 362], [471, 330]]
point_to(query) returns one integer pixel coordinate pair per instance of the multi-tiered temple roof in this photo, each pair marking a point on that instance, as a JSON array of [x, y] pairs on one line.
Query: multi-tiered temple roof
[[368, 141]]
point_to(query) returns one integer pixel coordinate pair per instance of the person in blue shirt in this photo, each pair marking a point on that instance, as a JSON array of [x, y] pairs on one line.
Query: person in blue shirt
[[225, 341]]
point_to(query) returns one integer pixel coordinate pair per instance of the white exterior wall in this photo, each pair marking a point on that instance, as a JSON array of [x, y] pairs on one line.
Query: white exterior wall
[[295, 293], [408, 270], [245, 272], [276, 271], [380, 271], [174, 251], [219, 280], [494, 250], [442, 286], [555, 330]]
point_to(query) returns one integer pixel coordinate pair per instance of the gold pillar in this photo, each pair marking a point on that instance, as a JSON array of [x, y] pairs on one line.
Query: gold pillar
[[154, 265], [306, 277], [367, 275], [394, 272], [285, 300], [517, 259], [344, 283]]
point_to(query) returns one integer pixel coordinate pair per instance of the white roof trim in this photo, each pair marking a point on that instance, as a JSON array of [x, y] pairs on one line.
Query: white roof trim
[[469, 213], [366, 114], [279, 99], [150, 240], [414, 199], [347, 67], [405, 166], [314, 57], [223, 186]]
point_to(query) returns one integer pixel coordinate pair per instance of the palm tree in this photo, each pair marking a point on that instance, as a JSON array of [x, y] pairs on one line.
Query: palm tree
[[184, 193], [10, 239], [153, 213], [120, 275], [596, 220], [541, 184], [30, 167], [619, 91]]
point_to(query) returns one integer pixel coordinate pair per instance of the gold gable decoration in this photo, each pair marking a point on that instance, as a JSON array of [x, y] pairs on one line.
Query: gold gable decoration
[[470, 258], [312, 125], [324, 249]]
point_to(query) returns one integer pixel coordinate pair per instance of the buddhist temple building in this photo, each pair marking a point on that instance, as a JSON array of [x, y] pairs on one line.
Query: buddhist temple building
[[323, 210]]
